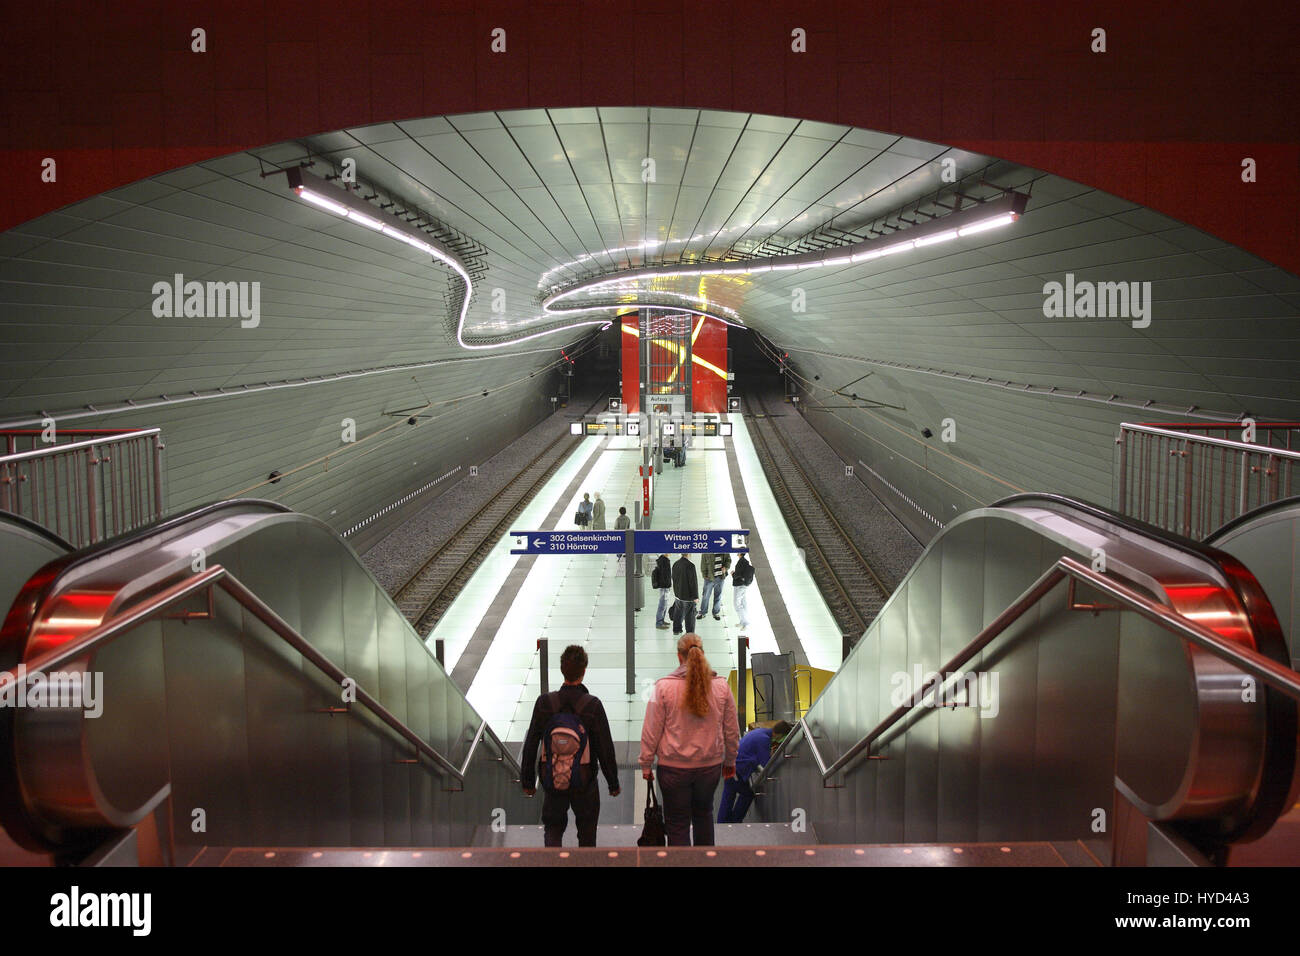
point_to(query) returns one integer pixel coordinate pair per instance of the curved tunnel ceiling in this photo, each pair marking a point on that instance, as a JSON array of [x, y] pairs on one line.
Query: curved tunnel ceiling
[[543, 200]]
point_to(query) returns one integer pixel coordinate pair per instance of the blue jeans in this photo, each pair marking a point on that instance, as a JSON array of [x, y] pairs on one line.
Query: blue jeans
[[663, 605], [736, 798], [714, 586], [686, 616], [688, 803]]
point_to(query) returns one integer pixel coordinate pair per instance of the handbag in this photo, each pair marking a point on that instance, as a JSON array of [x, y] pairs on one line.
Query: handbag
[[652, 834], [580, 517]]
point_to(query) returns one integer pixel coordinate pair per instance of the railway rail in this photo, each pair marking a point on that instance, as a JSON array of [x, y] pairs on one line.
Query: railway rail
[[425, 596]]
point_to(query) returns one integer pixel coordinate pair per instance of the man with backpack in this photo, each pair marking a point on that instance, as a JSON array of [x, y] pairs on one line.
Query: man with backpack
[[572, 730]]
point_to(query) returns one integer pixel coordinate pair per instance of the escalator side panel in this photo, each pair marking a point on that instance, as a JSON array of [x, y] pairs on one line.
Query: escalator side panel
[[1043, 768], [238, 722]]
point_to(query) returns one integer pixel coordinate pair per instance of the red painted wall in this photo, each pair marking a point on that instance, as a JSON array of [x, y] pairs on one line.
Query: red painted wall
[[631, 363], [708, 388], [1164, 118]]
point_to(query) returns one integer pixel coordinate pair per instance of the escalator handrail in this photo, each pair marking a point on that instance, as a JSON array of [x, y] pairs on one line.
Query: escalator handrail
[[1254, 514], [27, 524], [218, 576], [1190, 546], [1251, 661]]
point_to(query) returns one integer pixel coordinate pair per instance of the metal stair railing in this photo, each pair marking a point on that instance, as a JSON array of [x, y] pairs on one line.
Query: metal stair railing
[[1252, 662]]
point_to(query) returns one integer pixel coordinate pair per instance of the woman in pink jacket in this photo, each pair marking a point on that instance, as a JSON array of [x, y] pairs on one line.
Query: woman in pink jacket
[[691, 726]]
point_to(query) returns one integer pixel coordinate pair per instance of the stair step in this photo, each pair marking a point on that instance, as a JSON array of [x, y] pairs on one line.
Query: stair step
[[918, 855], [626, 834]]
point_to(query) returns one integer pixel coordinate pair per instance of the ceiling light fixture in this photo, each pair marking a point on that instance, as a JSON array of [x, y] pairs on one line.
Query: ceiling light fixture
[[971, 220]]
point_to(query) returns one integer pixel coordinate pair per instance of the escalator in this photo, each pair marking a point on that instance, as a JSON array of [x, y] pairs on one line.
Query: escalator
[[1052, 671], [256, 686]]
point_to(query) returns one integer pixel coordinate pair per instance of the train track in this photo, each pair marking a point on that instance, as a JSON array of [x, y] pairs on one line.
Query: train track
[[853, 591], [426, 594]]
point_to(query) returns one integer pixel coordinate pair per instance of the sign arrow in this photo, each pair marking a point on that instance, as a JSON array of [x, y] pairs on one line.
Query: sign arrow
[[719, 541], [538, 542]]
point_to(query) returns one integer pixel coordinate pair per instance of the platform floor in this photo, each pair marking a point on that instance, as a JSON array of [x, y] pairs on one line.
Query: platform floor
[[580, 598]]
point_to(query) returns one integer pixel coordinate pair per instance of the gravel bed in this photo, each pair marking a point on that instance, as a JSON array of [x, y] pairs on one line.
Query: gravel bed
[[884, 542], [399, 554]]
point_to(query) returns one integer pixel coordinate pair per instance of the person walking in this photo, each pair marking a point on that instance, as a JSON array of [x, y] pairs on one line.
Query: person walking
[[756, 749], [686, 591], [571, 723], [621, 523], [598, 514], [713, 568], [583, 517], [741, 579], [662, 579], [690, 728]]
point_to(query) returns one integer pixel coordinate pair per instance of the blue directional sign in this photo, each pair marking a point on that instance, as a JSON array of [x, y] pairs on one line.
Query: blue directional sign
[[691, 542], [568, 542]]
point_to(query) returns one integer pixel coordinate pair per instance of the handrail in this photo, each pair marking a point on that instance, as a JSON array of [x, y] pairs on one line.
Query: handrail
[[1207, 440], [75, 445], [1248, 660], [218, 575]]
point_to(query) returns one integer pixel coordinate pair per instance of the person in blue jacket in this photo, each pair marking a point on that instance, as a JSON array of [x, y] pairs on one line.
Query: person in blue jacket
[[756, 748]]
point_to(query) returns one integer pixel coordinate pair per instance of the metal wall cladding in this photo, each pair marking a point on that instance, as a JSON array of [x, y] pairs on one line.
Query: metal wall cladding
[[249, 737], [1030, 758]]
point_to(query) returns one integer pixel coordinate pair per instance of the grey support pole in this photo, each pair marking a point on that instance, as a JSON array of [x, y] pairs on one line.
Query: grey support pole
[[440, 651], [629, 539], [546, 665]]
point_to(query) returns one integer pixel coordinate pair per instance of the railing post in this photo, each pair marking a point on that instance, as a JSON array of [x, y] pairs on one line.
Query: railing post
[[92, 497], [440, 651], [1187, 488], [1123, 470], [157, 475], [544, 662]]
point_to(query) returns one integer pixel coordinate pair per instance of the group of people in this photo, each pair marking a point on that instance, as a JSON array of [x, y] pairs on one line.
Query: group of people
[[690, 604], [690, 737], [591, 514]]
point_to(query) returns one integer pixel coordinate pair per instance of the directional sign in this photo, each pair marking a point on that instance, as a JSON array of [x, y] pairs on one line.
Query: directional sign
[[691, 542], [568, 542]]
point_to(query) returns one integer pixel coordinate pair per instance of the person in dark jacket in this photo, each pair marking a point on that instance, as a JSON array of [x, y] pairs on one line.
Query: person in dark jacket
[[756, 748], [686, 589], [662, 579], [713, 569], [584, 799], [741, 579]]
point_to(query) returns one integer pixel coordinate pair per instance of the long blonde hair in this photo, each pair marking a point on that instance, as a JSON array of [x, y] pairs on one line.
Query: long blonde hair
[[699, 675]]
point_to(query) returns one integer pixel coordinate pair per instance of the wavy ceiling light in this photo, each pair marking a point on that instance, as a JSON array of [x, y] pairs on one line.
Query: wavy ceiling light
[[344, 204], [970, 221]]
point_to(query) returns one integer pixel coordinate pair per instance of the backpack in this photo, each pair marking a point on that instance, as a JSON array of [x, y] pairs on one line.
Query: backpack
[[565, 741]]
